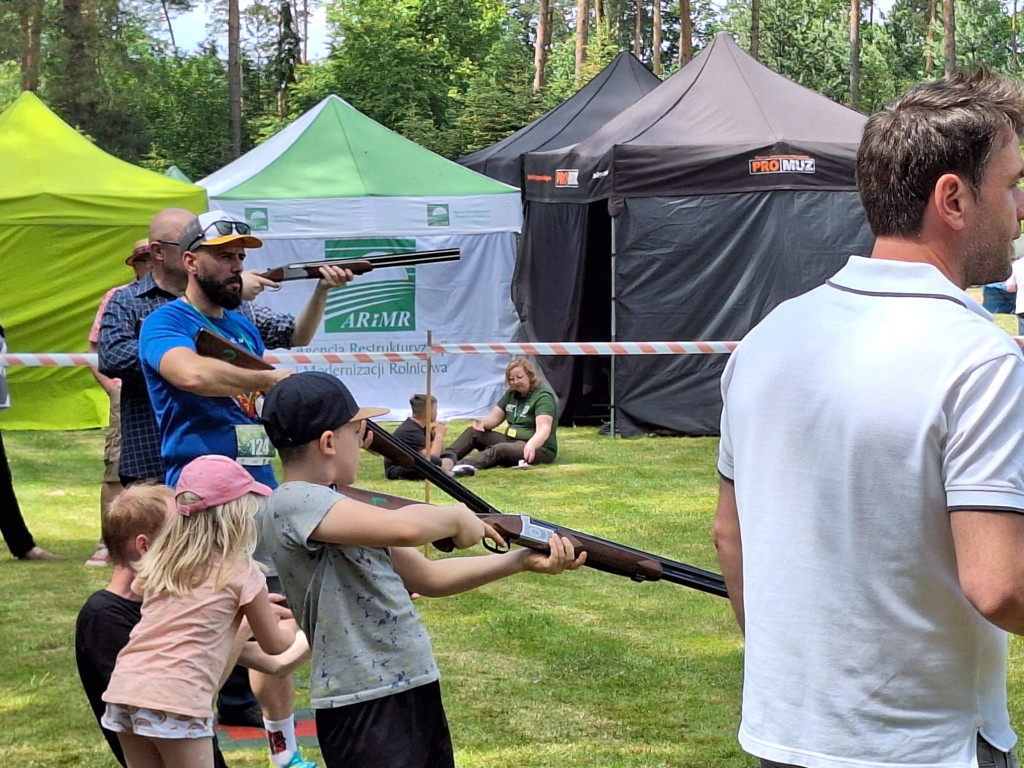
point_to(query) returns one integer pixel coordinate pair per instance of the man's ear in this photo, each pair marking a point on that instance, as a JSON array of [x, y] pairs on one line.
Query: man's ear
[[142, 543], [952, 198], [189, 259]]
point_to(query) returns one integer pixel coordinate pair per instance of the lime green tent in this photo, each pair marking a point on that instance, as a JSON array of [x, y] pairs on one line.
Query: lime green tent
[[69, 214]]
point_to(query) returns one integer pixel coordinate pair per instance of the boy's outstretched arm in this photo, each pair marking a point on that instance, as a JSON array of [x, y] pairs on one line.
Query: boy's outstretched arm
[[359, 524], [450, 576]]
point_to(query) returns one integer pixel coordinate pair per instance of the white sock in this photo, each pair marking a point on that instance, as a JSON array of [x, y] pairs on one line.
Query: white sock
[[281, 740]]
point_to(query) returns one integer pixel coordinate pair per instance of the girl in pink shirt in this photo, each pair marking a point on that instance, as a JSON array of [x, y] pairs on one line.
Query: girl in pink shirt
[[197, 580]]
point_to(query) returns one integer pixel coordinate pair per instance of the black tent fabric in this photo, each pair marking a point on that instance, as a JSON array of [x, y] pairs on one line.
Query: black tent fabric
[[728, 190], [723, 123], [623, 82]]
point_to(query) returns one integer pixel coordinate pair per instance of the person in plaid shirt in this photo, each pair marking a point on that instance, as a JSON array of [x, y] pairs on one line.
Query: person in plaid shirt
[[122, 320]]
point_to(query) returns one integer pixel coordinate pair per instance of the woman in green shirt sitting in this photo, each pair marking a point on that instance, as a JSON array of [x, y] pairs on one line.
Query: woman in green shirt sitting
[[529, 410]]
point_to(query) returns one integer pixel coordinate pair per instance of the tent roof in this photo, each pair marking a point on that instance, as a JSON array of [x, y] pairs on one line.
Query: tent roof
[[623, 82], [174, 172], [335, 151], [699, 132], [53, 174]]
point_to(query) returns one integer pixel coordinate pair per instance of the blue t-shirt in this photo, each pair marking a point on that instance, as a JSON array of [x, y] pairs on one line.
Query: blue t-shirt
[[193, 425]]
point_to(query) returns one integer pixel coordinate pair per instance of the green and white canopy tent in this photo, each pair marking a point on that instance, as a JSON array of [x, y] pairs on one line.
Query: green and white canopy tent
[[174, 172], [336, 184]]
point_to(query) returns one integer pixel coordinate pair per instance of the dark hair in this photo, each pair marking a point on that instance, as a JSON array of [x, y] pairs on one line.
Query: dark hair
[[418, 403], [952, 125], [292, 453]]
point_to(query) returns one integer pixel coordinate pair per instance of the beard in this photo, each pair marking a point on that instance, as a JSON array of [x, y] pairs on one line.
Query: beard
[[219, 292], [988, 256]]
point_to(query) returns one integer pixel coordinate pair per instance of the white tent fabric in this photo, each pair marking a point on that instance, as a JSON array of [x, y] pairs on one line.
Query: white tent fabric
[[354, 212]]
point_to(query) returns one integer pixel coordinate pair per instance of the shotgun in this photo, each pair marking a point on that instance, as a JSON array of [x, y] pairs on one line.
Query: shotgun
[[527, 531], [530, 532], [305, 270]]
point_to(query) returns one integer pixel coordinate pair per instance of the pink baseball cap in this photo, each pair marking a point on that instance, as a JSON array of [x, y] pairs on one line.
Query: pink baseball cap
[[215, 480]]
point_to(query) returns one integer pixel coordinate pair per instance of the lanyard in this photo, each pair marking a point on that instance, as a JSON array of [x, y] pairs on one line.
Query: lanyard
[[233, 326], [517, 410]]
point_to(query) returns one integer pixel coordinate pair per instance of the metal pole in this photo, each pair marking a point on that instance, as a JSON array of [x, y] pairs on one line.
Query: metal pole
[[611, 372], [429, 425]]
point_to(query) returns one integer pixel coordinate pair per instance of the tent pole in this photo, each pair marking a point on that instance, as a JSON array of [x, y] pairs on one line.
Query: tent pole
[[429, 425], [611, 370]]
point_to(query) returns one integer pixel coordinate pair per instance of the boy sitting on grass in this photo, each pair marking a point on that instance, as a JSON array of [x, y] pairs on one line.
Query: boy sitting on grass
[[348, 567]]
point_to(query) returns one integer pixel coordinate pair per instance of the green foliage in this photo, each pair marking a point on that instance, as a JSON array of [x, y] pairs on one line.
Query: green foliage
[[499, 101], [452, 75], [188, 114]]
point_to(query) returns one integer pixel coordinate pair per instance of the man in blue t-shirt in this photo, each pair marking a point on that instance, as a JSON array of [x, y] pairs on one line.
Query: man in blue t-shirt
[[203, 405], [207, 406]]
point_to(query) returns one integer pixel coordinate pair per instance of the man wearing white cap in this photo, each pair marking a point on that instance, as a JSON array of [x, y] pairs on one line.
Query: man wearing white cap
[[208, 406]]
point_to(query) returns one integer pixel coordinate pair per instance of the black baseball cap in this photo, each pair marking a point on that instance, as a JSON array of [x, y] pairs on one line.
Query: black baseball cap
[[299, 409]]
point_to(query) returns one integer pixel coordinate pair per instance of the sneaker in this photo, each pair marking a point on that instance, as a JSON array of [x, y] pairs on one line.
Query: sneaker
[[100, 557], [463, 470], [296, 762]]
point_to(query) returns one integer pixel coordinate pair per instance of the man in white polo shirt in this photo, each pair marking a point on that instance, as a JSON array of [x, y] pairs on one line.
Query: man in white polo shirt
[[870, 524]]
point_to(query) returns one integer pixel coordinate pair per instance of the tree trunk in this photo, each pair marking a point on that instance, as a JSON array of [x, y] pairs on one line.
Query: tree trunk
[[598, 14], [582, 19], [755, 27], [305, 31], [638, 29], [685, 33], [1013, 37], [855, 54], [929, 39], [79, 62], [949, 25], [656, 38], [170, 27], [234, 80], [30, 23], [540, 51]]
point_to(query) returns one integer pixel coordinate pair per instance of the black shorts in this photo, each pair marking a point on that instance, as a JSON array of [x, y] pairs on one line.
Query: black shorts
[[404, 730]]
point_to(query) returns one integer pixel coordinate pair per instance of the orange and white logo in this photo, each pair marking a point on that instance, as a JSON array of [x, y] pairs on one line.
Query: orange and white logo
[[782, 164], [567, 177]]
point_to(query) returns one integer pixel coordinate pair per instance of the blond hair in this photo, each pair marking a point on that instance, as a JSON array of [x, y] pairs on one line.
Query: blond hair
[[140, 509], [193, 548], [528, 369]]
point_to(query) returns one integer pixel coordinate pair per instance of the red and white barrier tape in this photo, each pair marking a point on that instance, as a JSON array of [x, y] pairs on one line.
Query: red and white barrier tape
[[65, 360]]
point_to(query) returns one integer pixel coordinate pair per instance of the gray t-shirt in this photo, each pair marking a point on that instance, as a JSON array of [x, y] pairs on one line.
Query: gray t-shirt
[[367, 639]]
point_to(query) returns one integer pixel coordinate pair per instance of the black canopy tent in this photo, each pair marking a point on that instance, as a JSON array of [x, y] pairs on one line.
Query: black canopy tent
[[624, 81], [729, 188], [581, 382]]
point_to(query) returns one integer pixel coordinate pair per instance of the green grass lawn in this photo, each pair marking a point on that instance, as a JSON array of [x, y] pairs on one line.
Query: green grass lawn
[[585, 669]]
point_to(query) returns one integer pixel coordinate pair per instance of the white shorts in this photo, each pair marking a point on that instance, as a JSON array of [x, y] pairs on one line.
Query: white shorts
[[154, 723]]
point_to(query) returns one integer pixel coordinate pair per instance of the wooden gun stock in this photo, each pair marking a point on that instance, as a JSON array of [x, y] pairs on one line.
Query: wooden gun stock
[[306, 270]]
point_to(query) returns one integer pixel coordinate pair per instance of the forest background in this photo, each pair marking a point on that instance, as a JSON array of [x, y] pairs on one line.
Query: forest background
[[451, 75]]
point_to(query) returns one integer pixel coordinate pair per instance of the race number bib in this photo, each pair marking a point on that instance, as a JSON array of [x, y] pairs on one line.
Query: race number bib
[[253, 448]]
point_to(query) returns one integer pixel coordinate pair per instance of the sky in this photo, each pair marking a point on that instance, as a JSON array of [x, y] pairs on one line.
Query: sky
[[190, 30]]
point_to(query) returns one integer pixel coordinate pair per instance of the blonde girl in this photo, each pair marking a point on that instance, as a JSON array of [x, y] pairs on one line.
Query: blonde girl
[[197, 581]]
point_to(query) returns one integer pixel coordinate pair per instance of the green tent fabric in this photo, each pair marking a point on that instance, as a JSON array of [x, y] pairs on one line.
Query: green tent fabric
[[69, 214], [336, 184], [343, 154], [174, 172]]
